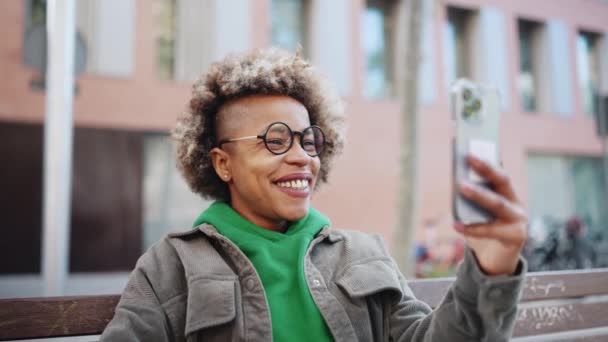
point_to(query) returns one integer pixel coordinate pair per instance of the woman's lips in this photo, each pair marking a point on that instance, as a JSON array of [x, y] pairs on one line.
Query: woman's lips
[[295, 185], [297, 189]]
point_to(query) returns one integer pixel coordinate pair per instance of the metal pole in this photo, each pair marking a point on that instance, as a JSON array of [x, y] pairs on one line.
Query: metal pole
[[58, 136]]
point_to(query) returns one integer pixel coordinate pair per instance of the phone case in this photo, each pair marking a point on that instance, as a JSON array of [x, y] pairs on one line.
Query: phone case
[[476, 116]]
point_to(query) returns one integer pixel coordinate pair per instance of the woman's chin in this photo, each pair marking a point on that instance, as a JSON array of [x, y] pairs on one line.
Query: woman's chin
[[294, 213]]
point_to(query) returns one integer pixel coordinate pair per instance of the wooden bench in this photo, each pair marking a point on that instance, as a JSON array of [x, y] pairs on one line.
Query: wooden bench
[[556, 306]]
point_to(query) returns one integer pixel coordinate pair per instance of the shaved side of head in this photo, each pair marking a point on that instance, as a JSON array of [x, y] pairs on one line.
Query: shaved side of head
[[230, 118]]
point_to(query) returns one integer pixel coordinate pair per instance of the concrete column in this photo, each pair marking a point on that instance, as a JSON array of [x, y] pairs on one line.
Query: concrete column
[[116, 37], [207, 31], [491, 49], [109, 30], [232, 27], [330, 43], [559, 69], [194, 38]]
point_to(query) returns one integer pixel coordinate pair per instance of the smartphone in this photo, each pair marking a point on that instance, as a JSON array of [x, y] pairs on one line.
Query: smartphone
[[476, 116]]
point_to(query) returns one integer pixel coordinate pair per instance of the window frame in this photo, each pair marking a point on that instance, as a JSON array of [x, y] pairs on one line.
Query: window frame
[[594, 40], [304, 25], [537, 48], [389, 13], [463, 58]]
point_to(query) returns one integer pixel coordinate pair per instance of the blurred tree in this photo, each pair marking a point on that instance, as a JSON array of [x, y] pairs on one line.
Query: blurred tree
[[409, 38]]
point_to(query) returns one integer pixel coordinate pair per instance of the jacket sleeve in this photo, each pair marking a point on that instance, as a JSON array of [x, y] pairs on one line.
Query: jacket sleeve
[[477, 307], [139, 315]]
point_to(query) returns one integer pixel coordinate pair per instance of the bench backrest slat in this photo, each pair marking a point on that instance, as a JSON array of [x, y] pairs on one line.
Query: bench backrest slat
[[594, 338], [537, 286], [546, 319], [55, 316], [88, 315]]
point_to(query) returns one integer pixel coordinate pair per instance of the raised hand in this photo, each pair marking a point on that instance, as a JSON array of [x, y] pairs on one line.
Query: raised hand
[[496, 245]]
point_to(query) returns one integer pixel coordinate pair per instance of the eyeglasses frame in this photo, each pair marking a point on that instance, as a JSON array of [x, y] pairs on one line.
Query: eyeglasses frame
[[293, 133]]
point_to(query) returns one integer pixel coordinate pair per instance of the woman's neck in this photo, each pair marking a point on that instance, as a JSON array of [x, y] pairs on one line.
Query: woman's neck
[[279, 226]]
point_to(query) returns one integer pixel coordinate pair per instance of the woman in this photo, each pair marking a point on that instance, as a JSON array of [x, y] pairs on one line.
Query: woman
[[259, 136]]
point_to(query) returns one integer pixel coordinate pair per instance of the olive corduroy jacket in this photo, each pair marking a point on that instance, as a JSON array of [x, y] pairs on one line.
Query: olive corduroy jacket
[[198, 286]]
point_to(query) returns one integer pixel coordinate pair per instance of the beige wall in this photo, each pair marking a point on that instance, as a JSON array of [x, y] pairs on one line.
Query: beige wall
[[363, 190]]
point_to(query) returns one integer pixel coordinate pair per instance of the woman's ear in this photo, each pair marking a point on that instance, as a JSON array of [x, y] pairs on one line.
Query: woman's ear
[[221, 163]]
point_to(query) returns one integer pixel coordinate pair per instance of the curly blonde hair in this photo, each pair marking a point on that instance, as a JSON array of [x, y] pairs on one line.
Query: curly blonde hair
[[259, 72]]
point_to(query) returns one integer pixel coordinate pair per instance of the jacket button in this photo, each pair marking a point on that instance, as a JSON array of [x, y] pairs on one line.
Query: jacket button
[[250, 284], [316, 283]]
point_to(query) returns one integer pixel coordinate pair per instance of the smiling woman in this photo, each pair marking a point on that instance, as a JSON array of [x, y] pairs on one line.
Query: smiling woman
[[227, 90], [261, 264], [264, 176]]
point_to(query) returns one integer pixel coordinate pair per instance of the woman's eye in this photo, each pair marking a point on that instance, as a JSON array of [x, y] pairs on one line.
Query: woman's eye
[[309, 144], [275, 141]]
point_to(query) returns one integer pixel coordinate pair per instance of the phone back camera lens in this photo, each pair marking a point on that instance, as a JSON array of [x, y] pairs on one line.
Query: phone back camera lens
[[467, 112], [466, 94], [476, 105]]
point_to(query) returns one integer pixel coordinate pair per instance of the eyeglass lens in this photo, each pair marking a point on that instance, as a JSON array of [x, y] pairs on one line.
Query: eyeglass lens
[[279, 138]]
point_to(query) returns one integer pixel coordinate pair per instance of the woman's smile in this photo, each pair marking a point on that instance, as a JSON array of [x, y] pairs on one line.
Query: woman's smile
[[296, 185]]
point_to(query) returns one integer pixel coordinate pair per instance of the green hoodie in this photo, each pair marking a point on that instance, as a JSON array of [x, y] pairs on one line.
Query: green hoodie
[[279, 260]]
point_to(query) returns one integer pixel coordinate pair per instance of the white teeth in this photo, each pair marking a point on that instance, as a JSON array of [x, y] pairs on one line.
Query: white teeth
[[299, 184]]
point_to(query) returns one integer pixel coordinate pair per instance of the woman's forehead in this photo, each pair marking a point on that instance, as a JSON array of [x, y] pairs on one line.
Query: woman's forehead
[[255, 113]]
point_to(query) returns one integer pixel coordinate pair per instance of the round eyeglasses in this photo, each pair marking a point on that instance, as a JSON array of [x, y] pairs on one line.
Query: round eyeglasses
[[278, 139]]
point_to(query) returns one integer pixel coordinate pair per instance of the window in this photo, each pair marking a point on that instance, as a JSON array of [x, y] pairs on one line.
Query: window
[[126, 195], [168, 202], [528, 79], [34, 15], [458, 43], [165, 41], [21, 154], [289, 24], [105, 224], [106, 200], [34, 24], [377, 40], [562, 189], [37, 12], [105, 35], [184, 36], [588, 60], [108, 29]]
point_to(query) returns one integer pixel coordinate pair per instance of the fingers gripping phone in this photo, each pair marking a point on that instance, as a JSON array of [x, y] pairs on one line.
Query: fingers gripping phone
[[476, 115]]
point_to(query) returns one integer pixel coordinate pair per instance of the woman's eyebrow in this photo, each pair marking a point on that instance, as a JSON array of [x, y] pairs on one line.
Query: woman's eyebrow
[[263, 130]]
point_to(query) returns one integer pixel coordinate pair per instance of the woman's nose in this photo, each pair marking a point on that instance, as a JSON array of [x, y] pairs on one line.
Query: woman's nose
[[296, 153]]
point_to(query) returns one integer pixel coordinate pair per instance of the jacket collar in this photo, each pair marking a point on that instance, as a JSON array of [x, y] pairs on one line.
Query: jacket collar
[[328, 233], [331, 235]]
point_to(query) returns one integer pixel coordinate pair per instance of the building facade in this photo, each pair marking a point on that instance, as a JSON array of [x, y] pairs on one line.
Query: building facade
[[549, 59]]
